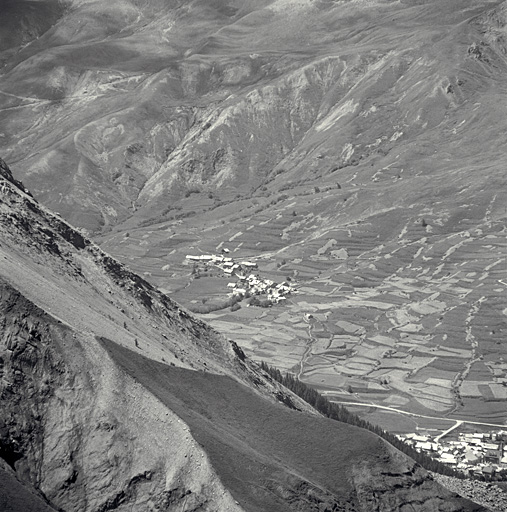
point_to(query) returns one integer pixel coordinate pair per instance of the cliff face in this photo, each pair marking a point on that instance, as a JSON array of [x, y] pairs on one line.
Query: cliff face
[[86, 435], [103, 406]]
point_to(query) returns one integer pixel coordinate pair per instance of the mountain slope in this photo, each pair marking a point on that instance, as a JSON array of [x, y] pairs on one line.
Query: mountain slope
[[16, 496], [112, 397], [139, 106], [355, 147]]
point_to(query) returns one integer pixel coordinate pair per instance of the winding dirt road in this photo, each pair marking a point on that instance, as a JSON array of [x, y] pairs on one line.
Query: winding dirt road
[[399, 411]]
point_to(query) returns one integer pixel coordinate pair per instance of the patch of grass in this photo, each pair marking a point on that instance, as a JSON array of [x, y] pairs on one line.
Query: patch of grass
[[252, 441]]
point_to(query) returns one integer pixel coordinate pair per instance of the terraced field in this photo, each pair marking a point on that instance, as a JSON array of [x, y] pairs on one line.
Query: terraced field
[[416, 322]]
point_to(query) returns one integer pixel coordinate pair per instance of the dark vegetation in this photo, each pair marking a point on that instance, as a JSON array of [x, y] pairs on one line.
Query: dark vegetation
[[209, 307], [340, 413], [261, 303]]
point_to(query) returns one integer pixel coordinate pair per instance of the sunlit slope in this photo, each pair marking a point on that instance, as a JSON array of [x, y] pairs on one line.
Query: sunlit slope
[[126, 109]]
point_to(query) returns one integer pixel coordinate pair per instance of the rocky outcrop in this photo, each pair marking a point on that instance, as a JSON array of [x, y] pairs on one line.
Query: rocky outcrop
[[488, 494], [412, 488], [6, 174], [243, 139], [87, 436]]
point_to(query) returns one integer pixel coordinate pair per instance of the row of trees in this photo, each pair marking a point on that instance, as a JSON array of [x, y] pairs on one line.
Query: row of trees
[[209, 307], [340, 413]]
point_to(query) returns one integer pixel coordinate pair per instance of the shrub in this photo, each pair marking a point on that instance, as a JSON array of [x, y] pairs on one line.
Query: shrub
[[261, 303], [209, 307]]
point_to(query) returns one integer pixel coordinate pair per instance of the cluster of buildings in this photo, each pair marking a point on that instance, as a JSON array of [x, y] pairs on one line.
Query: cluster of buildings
[[247, 283], [224, 263], [255, 285], [480, 454]]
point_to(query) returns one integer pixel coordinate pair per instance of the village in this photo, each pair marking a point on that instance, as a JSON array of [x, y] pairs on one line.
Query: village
[[475, 454], [247, 284]]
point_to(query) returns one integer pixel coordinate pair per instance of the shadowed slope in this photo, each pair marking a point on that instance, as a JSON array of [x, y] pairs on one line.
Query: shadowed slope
[[24, 20], [273, 458], [16, 497]]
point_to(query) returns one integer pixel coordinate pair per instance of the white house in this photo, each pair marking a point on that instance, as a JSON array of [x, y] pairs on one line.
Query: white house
[[248, 264], [448, 458]]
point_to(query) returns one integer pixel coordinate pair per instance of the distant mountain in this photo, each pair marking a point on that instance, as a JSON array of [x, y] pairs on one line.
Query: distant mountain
[[119, 111], [113, 397]]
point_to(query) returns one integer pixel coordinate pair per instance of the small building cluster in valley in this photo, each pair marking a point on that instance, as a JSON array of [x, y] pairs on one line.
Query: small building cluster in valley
[[477, 454], [255, 285], [246, 283]]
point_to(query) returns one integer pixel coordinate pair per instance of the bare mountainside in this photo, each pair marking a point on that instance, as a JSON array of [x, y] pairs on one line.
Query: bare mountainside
[[357, 147], [151, 102], [114, 398]]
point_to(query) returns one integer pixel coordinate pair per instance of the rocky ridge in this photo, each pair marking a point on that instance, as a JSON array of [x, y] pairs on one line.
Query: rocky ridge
[[487, 494]]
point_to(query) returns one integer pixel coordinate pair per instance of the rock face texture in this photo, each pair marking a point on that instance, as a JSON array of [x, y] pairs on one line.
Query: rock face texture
[[65, 408], [114, 398]]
